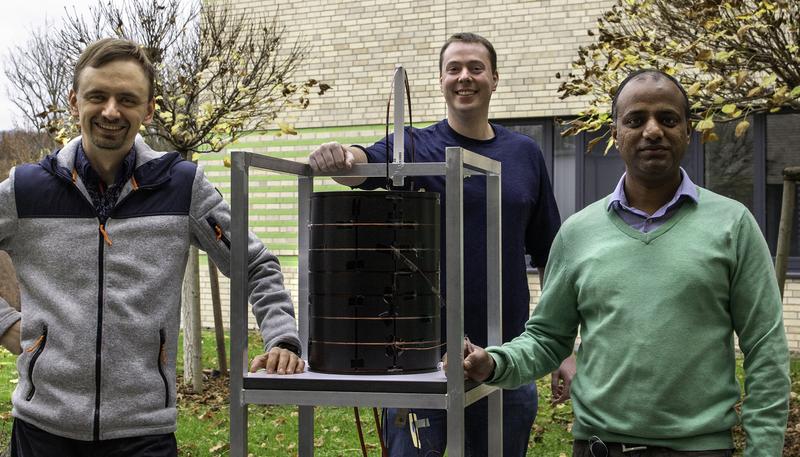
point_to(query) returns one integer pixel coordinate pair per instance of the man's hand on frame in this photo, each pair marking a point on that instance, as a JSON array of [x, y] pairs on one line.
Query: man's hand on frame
[[278, 360]]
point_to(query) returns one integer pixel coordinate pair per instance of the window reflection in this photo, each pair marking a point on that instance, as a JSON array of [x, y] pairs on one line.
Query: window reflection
[[729, 164], [564, 172], [783, 143]]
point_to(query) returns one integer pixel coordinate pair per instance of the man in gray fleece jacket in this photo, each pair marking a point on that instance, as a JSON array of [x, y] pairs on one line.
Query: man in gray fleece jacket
[[99, 233]]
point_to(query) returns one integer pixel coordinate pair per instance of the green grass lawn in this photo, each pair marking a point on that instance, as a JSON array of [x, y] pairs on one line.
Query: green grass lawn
[[272, 430], [203, 419]]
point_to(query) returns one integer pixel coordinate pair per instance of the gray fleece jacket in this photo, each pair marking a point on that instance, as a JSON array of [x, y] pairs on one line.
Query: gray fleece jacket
[[101, 305]]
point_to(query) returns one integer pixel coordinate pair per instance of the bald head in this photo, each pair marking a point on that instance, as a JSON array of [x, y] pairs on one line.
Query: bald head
[[653, 75]]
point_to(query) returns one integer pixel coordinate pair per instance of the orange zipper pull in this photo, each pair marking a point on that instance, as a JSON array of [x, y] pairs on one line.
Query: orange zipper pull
[[134, 184], [74, 176], [35, 344], [105, 234]]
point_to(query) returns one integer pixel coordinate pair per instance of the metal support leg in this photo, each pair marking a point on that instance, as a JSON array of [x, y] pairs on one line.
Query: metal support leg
[[305, 186], [494, 300], [239, 309], [306, 431], [454, 191]]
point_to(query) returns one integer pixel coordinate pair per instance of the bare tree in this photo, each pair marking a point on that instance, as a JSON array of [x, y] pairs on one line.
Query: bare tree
[[221, 75], [21, 146], [39, 83]]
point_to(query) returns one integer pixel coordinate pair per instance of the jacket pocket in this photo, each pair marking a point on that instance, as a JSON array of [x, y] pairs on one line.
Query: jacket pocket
[[161, 363], [219, 234], [37, 348]]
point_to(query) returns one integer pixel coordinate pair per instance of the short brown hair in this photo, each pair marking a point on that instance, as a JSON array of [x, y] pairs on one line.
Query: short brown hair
[[107, 50], [467, 37]]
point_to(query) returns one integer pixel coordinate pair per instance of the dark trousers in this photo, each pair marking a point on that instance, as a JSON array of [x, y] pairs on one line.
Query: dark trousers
[[583, 448], [30, 441], [430, 428]]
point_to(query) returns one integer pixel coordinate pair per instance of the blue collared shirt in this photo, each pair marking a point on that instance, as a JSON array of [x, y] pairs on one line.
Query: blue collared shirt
[[103, 198], [642, 221]]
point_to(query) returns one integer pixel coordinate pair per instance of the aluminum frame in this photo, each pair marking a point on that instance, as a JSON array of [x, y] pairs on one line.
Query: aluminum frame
[[459, 163]]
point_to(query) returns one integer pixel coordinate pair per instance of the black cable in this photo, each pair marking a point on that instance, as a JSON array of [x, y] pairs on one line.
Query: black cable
[[360, 432], [384, 451], [411, 128], [386, 137]]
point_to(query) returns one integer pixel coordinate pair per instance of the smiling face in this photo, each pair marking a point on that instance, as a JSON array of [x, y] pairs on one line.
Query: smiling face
[[651, 130], [111, 103], [467, 79]]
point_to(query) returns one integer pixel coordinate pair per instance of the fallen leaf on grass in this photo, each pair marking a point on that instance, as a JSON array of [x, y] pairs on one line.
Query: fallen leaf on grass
[[218, 447]]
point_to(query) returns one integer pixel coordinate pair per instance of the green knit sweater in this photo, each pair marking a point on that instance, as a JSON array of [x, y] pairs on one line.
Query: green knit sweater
[[657, 313]]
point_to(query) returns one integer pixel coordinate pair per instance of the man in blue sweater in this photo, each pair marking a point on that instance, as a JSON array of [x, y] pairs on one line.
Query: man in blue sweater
[[468, 77]]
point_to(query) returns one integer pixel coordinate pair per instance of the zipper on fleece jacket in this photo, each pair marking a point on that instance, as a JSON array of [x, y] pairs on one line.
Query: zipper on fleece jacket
[[102, 238], [38, 346], [161, 363], [218, 232], [99, 337]]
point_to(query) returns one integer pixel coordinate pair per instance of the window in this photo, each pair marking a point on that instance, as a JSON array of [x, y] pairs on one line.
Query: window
[[564, 170], [783, 141], [559, 155]]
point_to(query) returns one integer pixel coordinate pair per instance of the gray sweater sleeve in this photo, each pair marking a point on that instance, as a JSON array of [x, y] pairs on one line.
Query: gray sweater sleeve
[[8, 227], [271, 302]]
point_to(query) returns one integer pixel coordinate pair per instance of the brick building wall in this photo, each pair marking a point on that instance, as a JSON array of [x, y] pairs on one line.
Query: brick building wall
[[791, 313], [354, 46]]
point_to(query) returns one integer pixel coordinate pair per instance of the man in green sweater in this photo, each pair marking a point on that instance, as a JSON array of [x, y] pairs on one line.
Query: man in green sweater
[[659, 276]]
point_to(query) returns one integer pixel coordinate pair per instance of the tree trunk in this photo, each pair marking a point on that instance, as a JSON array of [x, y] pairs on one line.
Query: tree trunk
[[222, 358], [790, 177], [192, 343], [9, 287]]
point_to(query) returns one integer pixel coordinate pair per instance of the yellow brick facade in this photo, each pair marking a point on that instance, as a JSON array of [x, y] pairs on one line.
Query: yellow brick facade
[[791, 313], [354, 46]]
